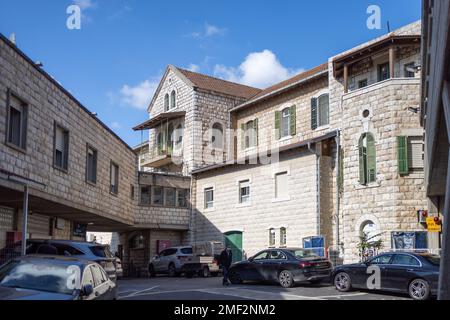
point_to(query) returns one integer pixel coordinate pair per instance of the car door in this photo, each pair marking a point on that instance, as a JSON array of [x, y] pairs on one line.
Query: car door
[[102, 287], [253, 270], [276, 260], [88, 279], [364, 271], [158, 261], [402, 269]]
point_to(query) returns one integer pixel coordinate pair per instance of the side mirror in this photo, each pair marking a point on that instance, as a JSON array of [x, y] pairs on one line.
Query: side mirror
[[251, 259], [367, 263], [87, 290]]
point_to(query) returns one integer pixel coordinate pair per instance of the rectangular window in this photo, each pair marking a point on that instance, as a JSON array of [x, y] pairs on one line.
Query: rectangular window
[[244, 191], [182, 197], [409, 241], [323, 110], [362, 83], [145, 198], [281, 185], [91, 165], [61, 148], [16, 122], [158, 195], [410, 70], [286, 123], [272, 238], [131, 192], [383, 72], [283, 237], [209, 198], [415, 153], [170, 197], [114, 178]]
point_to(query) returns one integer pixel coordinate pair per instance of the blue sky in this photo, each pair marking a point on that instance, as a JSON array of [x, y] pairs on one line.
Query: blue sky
[[114, 62]]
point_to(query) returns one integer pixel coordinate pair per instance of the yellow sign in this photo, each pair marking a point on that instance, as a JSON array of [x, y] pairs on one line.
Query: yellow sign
[[433, 226]]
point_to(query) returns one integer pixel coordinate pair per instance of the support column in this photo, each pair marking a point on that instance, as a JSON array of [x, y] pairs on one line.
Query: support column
[[24, 220], [345, 78], [444, 277], [391, 62]]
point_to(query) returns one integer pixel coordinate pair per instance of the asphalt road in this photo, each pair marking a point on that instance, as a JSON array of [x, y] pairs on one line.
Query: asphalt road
[[165, 288]]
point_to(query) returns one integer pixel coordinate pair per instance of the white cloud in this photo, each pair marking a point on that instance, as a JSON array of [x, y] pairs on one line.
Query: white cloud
[[84, 4], [140, 95], [259, 69], [193, 67], [209, 30], [116, 125]]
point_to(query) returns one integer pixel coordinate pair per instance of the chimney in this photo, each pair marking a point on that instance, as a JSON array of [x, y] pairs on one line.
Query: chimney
[[12, 38]]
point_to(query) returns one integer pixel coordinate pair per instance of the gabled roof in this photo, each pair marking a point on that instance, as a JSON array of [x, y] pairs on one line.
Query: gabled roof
[[286, 85], [209, 83]]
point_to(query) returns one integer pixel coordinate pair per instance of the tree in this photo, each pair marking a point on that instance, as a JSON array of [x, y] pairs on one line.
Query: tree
[[368, 246]]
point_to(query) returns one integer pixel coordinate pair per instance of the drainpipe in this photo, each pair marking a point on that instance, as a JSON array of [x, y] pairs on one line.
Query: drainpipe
[[318, 216], [338, 194]]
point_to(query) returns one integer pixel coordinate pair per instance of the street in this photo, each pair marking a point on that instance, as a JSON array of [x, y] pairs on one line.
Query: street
[[165, 288]]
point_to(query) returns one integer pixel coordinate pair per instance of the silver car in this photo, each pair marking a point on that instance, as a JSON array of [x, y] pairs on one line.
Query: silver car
[[170, 261]]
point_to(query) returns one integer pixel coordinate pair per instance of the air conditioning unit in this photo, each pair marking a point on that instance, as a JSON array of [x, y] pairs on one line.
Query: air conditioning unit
[[423, 215]]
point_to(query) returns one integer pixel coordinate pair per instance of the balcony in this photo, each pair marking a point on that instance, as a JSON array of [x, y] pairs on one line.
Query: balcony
[[160, 155]]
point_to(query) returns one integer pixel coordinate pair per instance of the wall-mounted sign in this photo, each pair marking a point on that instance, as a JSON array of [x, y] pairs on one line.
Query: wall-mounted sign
[[433, 225], [60, 224], [79, 230]]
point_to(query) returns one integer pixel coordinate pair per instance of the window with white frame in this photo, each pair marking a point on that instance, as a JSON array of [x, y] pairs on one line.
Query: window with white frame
[[61, 148], [283, 237], [323, 112], [272, 237], [286, 122], [415, 153], [281, 185], [114, 188], [209, 198], [244, 191], [16, 122]]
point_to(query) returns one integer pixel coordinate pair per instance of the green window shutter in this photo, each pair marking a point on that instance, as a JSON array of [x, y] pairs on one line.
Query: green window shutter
[[293, 121], [314, 113], [371, 159], [402, 148], [278, 124], [255, 127], [362, 162], [243, 136]]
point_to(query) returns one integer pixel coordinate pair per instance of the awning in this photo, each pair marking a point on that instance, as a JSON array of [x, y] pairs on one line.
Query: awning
[[355, 56], [158, 120]]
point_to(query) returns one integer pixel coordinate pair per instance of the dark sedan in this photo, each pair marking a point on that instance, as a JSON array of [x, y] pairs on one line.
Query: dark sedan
[[54, 278], [415, 274], [284, 266]]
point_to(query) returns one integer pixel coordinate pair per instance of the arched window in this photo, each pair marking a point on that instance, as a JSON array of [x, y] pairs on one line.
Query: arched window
[[323, 110], [367, 159], [179, 136], [166, 102], [137, 241], [283, 236], [272, 237], [173, 100], [250, 134], [217, 136]]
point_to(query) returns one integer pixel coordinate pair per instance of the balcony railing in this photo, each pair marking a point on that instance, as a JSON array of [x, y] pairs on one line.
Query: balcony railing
[[160, 155]]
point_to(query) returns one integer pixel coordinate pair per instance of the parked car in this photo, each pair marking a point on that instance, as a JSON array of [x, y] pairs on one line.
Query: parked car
[[284, 266], [204, 260], [170, 261], [76, 249], [415, 274], [38, 277]]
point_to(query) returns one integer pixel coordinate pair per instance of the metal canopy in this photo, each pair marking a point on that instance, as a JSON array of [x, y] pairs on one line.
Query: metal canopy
[[158, 120]]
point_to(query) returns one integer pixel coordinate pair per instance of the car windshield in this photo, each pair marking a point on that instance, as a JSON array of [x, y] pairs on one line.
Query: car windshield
[[36, 275], [101, 251], [303, 253], [433, 259]]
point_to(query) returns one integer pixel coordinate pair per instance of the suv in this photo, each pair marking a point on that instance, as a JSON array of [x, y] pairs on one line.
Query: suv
[[170, 261], [76, 249]]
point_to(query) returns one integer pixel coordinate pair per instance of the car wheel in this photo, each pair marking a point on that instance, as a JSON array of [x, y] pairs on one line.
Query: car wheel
[[343, 282], [419, 289], [234, 277], [286, 279], [172, 271], [151, 271], [205, 272]]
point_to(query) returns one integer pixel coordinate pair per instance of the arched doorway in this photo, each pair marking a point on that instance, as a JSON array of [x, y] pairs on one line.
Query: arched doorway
[[233, 239]]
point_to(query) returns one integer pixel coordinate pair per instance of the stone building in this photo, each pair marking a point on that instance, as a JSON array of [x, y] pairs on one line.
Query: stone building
[[317, 160], [435, 119]]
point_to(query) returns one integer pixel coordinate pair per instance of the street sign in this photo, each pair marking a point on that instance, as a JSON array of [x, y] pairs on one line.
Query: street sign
[[433, 226]]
